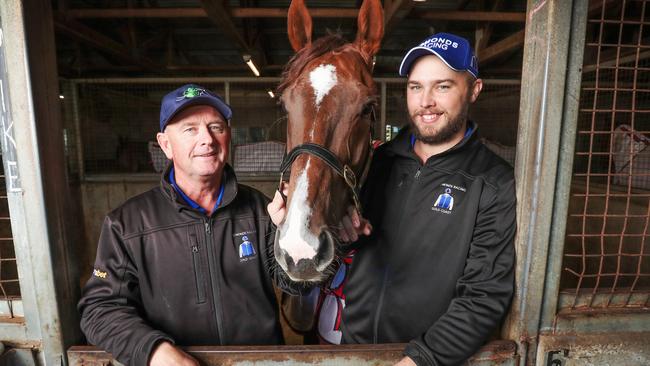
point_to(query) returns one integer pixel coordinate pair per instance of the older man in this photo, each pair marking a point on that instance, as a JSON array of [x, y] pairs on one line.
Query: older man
[[184, 263], [437, 270]]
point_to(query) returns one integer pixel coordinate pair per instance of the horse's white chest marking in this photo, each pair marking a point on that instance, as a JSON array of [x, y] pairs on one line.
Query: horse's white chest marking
[[297, 240], [323, 79]]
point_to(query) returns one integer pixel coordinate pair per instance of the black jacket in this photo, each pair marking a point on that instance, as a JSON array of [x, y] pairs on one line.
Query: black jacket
[[438, 270], [166, 271]]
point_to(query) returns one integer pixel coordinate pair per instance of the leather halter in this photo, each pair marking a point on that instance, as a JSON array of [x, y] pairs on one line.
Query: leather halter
[[330, 159], [343, 170]]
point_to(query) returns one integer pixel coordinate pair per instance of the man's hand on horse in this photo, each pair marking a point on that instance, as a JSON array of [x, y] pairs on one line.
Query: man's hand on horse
[[351, 226], [277, 208]]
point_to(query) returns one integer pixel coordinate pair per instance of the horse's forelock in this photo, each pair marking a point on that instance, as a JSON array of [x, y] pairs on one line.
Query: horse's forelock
[[300, 60]]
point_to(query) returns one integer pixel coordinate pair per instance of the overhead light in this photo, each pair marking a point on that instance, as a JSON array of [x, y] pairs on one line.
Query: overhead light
[[419, 1], [270, 92], [251, 65], [61, 96]]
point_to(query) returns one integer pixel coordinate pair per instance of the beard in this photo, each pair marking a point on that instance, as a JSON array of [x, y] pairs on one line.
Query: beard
[[445, 133]]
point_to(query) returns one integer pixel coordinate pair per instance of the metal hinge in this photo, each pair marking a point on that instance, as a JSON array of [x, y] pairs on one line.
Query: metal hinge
[[557, 358]]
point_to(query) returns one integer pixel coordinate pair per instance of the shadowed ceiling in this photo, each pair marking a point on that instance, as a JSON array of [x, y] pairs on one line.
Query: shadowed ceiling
[[167, 38]]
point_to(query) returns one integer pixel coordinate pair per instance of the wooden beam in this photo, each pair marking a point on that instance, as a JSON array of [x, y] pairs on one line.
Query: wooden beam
[[399, 6], [133, 39], [90, 37], [201, 13], [395, 13], [173, 68], [136, 13], [219, 15], [472, 16], [485, 30], [508, 44], [462, 4], [282, 12]]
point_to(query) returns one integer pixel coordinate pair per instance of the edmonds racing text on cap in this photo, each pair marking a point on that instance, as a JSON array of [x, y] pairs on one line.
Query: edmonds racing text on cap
[[455, 51], [190, 95]]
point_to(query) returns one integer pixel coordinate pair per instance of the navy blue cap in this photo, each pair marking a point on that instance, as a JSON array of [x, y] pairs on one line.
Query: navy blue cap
[[455, 51], [189, 95]]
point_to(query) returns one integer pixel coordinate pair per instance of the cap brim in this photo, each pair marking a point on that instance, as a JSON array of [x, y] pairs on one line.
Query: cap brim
[[220, 106], [417, 52]]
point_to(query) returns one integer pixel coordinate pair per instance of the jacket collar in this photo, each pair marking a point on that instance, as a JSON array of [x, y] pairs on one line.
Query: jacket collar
[[401, 145], [229, 191]]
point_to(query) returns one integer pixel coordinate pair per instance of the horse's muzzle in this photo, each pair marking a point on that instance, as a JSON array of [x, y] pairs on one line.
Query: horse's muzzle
[[313, 270]]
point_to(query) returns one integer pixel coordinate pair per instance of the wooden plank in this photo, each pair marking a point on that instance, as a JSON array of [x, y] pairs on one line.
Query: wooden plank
[[395, 13], [467, 16], [282, 12], [501, 352], [222, 18], [201, 13], [486, 30], [462, 4], [219, 15], [508, 44], [473, 16], [100, 42]]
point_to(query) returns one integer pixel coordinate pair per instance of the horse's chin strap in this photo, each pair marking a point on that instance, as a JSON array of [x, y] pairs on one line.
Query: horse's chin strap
[[330, 159]]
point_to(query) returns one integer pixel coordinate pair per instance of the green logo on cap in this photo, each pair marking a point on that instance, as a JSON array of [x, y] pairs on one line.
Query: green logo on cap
[[191, 92]]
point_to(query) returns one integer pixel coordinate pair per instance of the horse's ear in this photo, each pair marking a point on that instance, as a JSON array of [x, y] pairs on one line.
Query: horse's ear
[[299, 25], [370, 26]]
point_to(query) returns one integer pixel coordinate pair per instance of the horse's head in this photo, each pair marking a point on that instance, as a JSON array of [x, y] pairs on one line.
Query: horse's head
[[329, 95]]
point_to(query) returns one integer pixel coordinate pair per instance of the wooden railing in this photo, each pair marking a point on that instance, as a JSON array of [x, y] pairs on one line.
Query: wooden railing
[[502, 353]]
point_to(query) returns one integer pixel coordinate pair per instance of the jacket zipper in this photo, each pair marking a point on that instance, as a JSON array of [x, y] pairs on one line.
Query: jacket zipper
[[213, 277], [383, 284], [198, 274]]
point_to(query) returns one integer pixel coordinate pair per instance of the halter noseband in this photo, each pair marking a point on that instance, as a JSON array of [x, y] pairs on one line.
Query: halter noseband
[[330, 159]]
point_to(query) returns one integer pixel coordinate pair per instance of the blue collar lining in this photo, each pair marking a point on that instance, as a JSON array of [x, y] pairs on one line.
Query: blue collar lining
[[190, 201]]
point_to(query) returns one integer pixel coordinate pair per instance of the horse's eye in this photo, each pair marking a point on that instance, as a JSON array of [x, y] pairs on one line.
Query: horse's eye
[[367, 109]]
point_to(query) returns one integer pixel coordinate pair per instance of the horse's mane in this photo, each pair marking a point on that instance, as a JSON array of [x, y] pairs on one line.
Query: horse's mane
[[298, 62]]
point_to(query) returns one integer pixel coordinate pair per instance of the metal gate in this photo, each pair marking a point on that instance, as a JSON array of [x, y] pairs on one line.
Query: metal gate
[[582, 189]]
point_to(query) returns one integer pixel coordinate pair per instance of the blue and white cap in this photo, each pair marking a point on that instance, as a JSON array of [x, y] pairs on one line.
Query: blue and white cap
[[190, 95], [455, 51]]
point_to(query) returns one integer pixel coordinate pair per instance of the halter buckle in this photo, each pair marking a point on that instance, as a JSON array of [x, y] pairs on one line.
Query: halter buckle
[[349, 177]]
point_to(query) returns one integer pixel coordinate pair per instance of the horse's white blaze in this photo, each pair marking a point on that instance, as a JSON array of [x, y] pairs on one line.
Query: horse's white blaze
[[323, 79], [296, 239]]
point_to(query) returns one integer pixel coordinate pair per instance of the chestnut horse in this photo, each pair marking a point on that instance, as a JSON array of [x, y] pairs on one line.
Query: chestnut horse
[[329, 95]]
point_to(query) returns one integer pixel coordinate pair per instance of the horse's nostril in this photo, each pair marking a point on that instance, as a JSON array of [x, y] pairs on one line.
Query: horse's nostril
[[289, 261], [325, 254]]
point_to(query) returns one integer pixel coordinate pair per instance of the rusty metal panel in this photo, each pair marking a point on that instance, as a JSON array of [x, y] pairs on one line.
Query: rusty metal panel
[[607, 250], [546, 119], [620, 349], [498, 353], [18, 357]]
